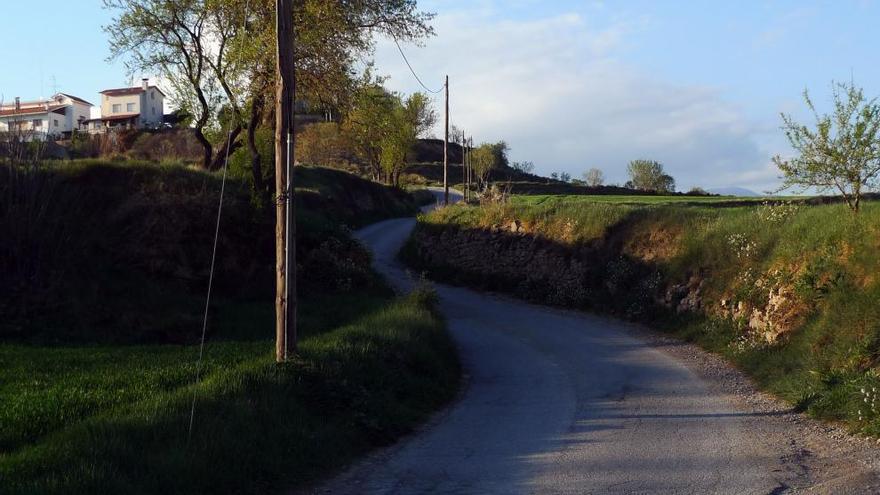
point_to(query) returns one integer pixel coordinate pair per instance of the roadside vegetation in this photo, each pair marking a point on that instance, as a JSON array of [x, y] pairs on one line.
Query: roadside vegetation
[[786, 290], [102, 301]]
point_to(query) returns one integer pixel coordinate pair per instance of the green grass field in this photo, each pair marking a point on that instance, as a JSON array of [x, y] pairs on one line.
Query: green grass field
[[113, 419], [633, 200], [101, 305]]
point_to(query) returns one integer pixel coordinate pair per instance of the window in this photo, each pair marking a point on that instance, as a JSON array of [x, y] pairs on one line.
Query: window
[[55, 121], [38, 123], [117, 108], [154, 110], [152, 95], [129, 107]]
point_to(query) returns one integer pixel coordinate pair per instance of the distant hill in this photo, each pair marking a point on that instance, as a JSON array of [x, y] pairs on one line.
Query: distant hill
[[431, 151], [734, 191]]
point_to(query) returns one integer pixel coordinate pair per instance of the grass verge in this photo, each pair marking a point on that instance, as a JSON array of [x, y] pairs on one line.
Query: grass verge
[[789, 292], [104, 274], [114, 419]]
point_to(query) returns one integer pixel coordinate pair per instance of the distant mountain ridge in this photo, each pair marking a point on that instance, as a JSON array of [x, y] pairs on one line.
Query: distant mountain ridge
[[734, 191]]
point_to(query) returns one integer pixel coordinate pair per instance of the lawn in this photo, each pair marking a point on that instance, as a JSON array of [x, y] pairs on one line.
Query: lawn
[[101, 305], [113, 419]]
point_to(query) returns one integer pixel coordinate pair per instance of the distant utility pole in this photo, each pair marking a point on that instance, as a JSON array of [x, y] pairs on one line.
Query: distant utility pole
[[285, 227], [446, 150], [470, 163], [464, 163]]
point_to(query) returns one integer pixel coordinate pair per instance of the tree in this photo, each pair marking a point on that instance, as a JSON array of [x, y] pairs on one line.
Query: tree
[[648, 175], [322, 144], [523, 167], [171, 36], [213, 54], [383, 128], [410, 119], [484, 158], [666, 184], [500, 150], [594, 177], [565, 177], [365, 126], [842, 152]]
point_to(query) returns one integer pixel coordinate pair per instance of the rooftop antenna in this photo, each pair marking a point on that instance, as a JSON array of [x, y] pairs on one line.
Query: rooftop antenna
[[54, 85]]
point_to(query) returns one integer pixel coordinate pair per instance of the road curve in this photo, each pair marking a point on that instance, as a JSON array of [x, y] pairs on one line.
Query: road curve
[[562, 402]]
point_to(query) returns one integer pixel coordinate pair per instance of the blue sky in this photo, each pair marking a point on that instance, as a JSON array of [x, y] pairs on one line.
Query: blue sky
[[56, 38], [570, 85]]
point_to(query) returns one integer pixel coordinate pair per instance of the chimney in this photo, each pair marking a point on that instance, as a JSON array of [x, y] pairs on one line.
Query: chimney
[[145, 83], [17, 104]]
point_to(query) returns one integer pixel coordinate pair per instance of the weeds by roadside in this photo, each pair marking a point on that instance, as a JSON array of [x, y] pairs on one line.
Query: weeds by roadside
[[787, 291]]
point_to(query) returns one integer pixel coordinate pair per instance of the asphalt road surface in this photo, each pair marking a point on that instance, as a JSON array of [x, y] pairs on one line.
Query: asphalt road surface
[[563, 402]]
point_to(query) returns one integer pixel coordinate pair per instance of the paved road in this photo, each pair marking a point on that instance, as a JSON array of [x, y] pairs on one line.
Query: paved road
[[561, 402]]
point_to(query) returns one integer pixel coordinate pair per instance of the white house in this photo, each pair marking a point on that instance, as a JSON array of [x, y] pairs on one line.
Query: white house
[[56, 117], [140, 107]]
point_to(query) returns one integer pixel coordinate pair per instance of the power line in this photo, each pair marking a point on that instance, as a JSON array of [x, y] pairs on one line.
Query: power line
[[192, 410], [413, 71]]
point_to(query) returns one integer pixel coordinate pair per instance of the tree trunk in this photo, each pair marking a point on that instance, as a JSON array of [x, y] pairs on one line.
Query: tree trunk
[[207, 149], [230, 144], [201, 123]]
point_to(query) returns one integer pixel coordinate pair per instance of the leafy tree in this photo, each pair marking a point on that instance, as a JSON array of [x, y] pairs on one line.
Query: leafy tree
[[524, 167], [648, 175], [366, 123], [500, 150], [173, 37], [666, 185], [554, 175], [455, 134], [565, 177], [323, 144], [842, 152], [383, 129], [594, 177], [484, 158], [213, 53], [410, 119]]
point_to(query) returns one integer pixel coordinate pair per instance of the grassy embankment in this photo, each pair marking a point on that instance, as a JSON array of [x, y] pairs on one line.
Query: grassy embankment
[[788, 292], [102, 304]]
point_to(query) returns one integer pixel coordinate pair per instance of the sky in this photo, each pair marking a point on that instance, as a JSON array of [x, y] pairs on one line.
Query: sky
[[569, 85]]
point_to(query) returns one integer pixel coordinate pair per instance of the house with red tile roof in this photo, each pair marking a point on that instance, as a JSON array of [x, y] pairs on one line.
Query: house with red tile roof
[[56, 117], [139, 107]]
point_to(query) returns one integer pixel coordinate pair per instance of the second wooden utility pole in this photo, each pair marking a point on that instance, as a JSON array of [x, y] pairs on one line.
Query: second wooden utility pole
[[446, 150], [464, 164], [285, 226]]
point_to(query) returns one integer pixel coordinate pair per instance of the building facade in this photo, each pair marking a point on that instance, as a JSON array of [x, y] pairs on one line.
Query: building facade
[[140, 107], [55, 118]]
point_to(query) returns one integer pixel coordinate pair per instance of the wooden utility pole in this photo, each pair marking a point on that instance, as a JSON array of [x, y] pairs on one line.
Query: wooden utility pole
[[464, 163], [285, 227], [469, 167], [446, 149]]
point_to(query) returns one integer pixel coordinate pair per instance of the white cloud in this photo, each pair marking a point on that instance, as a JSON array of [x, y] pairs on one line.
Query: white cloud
[[554, 88]]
